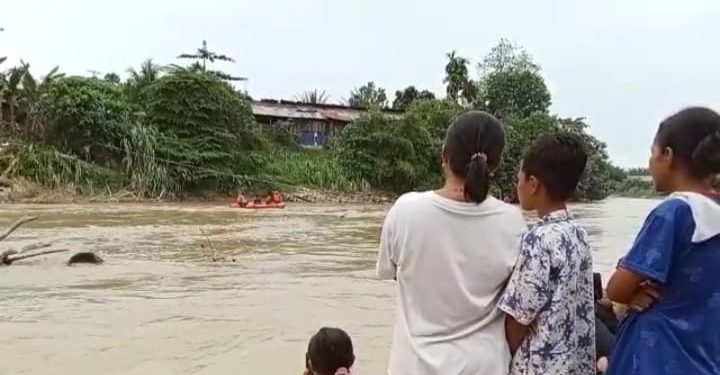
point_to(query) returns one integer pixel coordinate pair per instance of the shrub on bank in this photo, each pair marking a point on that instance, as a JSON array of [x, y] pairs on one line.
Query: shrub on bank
[[292, 167], [204, 128], [386, 154], [54, 169], [82, 116]]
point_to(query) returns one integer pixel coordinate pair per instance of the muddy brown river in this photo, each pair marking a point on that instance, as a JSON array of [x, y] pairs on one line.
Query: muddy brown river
[[160, 305]]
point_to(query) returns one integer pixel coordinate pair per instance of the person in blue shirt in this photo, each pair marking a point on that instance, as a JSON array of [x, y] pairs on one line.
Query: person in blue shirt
[[670, 278]]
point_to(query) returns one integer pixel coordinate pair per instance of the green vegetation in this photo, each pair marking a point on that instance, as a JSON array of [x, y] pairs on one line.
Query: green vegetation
[[181, 131]]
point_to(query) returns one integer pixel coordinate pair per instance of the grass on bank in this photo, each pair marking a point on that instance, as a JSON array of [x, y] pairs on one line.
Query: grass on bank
[[309, 168], [144, 176]]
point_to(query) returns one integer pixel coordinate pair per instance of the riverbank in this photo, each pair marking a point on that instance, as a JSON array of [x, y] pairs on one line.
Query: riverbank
[[23, 191]]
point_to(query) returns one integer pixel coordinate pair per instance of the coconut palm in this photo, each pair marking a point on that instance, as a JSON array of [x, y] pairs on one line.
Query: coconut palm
[[148, 73], [204, 55]]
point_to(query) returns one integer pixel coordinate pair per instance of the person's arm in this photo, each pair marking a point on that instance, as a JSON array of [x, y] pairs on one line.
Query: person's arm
[[515, 333], [528, 290], [386, 267], [650, 258]]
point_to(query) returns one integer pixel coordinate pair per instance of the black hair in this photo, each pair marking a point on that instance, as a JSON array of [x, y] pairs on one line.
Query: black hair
[[558, 160], [693, 134], [474, 144], [329, 349]]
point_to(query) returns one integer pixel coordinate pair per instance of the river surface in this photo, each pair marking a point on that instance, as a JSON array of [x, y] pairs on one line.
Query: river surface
[[160, 305]]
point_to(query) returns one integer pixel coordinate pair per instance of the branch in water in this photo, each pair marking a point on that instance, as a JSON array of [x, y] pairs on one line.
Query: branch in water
[[16, 225], [12, 258], [32, 247]]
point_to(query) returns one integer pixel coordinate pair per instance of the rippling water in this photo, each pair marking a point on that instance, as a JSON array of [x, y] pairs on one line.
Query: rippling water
[[160, 305]]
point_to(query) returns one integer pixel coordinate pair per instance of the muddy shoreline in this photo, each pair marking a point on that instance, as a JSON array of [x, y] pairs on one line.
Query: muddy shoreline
[[24, 192]]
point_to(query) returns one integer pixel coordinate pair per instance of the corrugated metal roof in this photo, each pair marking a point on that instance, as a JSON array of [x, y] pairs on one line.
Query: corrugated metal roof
[[308, 111]]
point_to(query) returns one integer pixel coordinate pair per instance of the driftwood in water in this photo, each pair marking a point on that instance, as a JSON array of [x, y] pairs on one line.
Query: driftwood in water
[[7, 257]]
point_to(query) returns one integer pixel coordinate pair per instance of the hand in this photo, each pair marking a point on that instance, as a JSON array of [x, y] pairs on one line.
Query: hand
[[646, 294], [602, 365]]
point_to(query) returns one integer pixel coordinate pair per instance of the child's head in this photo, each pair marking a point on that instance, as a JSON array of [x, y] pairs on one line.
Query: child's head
[[551, 170], [686, 149], [329, 352], [472, 151]]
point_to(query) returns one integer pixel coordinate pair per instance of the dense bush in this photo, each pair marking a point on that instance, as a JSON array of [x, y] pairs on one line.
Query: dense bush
[[205, 129], [87, 117], [385, 153]]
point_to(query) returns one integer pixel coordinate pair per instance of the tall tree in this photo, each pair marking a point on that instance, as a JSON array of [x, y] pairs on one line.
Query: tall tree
[[459, 87], [203, 55], [368, 96], [507, 56], [403, 98], [313, 97], [112, 78], [511, 84], [515, 93]]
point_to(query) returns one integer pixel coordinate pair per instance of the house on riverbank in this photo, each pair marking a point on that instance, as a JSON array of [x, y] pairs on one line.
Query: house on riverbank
[[313, 124]]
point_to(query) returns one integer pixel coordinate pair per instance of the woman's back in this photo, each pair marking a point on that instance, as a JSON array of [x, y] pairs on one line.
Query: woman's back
[[451, 260]]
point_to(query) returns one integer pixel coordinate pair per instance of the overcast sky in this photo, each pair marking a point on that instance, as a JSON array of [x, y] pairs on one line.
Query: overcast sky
[[623, 65]]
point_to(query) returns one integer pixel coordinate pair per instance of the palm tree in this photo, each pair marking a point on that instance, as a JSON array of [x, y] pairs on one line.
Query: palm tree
[[313, 97], [32, 93], [149, 72], [204, 55], [13, 90], [460, 87], [140, 79]]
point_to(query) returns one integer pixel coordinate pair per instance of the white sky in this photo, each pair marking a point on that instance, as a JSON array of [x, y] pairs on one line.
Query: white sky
[[622, 64]]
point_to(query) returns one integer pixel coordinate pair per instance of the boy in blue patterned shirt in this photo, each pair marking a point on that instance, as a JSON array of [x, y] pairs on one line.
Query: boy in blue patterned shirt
[[550, 321]]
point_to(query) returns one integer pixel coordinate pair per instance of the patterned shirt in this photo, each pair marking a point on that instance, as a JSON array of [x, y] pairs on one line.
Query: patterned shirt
[[551, 290]]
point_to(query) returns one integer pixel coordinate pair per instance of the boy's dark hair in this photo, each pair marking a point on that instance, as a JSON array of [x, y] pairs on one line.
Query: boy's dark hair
[[693, 134], [329, 349], [474, 144], [558, 160]]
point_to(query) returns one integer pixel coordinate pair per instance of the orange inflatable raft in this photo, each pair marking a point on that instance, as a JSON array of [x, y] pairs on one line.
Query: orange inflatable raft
[[259, 206]]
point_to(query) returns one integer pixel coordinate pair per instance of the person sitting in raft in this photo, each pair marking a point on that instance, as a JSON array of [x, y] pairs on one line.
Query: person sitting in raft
[[240, 201], [274, 198]]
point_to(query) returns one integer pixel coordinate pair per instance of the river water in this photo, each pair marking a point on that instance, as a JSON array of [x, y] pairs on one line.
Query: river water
[[160, 305]]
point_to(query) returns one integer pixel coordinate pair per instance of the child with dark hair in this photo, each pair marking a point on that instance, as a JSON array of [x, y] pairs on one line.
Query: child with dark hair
[[549, 301], [670, 278], [330, 352]]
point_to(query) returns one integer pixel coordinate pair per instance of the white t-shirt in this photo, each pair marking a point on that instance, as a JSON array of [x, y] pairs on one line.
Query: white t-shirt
[[451, 261]]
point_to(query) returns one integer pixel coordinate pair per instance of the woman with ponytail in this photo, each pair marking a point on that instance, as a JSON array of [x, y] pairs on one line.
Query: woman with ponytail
[[451, 251]]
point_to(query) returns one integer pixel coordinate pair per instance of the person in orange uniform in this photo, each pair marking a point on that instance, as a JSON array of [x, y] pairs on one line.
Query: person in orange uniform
[[275, 199]]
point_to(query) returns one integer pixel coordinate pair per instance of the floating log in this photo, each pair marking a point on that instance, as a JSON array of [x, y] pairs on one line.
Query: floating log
[[7, 257]]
